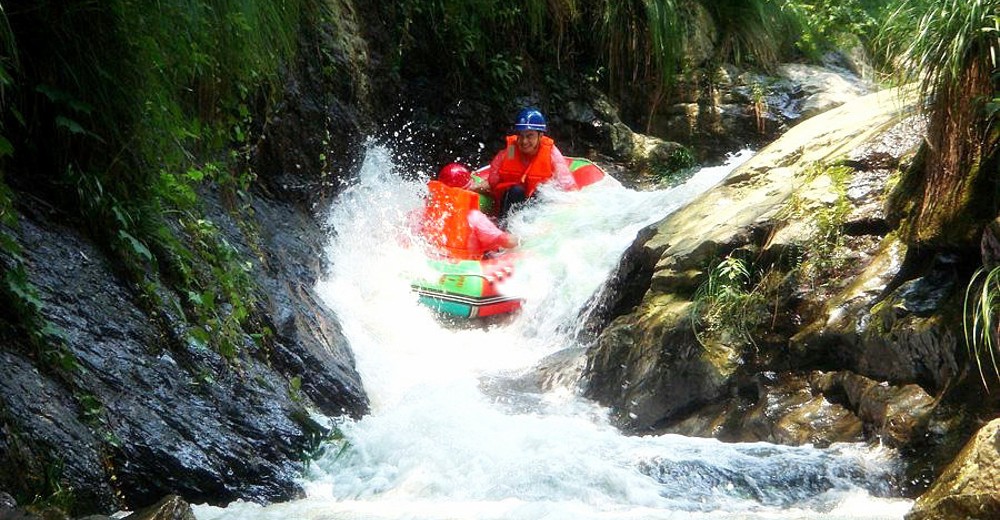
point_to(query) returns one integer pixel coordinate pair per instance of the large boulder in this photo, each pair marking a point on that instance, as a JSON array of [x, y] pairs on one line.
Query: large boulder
[[647, 363], [968, 487]]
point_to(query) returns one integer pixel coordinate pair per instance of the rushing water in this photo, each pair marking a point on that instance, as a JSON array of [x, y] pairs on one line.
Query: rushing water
[[458, 429]]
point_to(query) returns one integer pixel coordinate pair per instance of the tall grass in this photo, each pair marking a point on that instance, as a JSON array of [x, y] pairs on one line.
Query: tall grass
[[143, 83], [477, 44], [951, 47], [980, 326], [640, 40], [752, 31], [936, 42]]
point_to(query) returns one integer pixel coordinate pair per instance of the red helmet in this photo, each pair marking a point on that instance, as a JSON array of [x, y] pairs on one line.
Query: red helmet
[[455, 175]]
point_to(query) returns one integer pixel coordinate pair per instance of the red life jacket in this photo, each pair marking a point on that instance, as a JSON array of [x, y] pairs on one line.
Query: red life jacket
[[516, 169], [446, 220]]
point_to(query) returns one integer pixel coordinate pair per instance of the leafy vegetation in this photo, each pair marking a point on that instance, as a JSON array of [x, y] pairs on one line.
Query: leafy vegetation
[[980, 312], [730, 304], [642, 48], [951, 48], [110, 112]]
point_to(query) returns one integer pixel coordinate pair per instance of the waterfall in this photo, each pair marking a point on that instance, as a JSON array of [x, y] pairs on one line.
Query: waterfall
[[460, 428]]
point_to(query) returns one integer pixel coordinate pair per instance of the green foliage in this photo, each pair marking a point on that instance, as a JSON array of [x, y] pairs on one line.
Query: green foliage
[[952, 48], [640, 39], [980, 324], [295, 388], [934, 41], [823, 249], [221, 299], [502, 50], [22, 298], [829, 218], [51, 492], [677, 167], [829, 26], [753, 32], [112, 104], [729, 304]]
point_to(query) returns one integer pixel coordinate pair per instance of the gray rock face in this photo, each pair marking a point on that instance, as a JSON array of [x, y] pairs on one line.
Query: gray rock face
[[651, 373], [171, 507], [141, 413], [822, 88]]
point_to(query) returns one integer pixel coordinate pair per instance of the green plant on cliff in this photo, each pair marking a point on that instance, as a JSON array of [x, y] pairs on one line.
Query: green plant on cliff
[[825, 211], [729, 303], [21, 302], [829, 218], [643, 46]]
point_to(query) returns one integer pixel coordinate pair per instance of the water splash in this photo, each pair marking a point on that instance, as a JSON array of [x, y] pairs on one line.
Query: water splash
[[460, 428]]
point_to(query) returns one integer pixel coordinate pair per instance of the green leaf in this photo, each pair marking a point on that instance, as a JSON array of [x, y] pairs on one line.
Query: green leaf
[[20, 287], [199, 337], [5, 147], [208, 300], [137, 246], [195, 174], [70, 125]]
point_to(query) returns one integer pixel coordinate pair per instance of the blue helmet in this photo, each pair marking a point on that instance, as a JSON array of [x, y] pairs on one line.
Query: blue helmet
[[530, 119]]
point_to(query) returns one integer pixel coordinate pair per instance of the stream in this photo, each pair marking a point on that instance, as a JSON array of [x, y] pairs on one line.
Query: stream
[[462, 428]]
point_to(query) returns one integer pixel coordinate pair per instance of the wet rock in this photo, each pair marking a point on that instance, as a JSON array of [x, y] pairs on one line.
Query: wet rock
[[968, 486], [127, 401], [560, 370], [647, 365], [651, 368], [598, 123], [818, 408], [897, 336], [170, 507], [776, 408], [893, 415], [311, 140], [310, 343], [42, 433], [822, 88], [990, 245], [743, 109], [17, 514]]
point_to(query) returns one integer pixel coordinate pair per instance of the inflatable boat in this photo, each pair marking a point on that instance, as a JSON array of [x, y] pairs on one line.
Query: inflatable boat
[[468, 288], [475, 288]]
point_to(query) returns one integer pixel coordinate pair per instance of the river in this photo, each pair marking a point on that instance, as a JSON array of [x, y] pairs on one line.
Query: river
[[460, 427]]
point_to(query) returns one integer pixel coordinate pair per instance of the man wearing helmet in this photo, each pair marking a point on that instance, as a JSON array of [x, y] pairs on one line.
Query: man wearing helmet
[[529, 160], [453, 222]]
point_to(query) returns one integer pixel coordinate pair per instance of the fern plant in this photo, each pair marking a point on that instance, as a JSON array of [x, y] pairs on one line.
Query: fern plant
[[728, 303]]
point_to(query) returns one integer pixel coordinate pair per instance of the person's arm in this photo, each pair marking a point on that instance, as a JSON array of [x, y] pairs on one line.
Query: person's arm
[[480, 182], [560, 171], [489, 235], [492, 175]]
